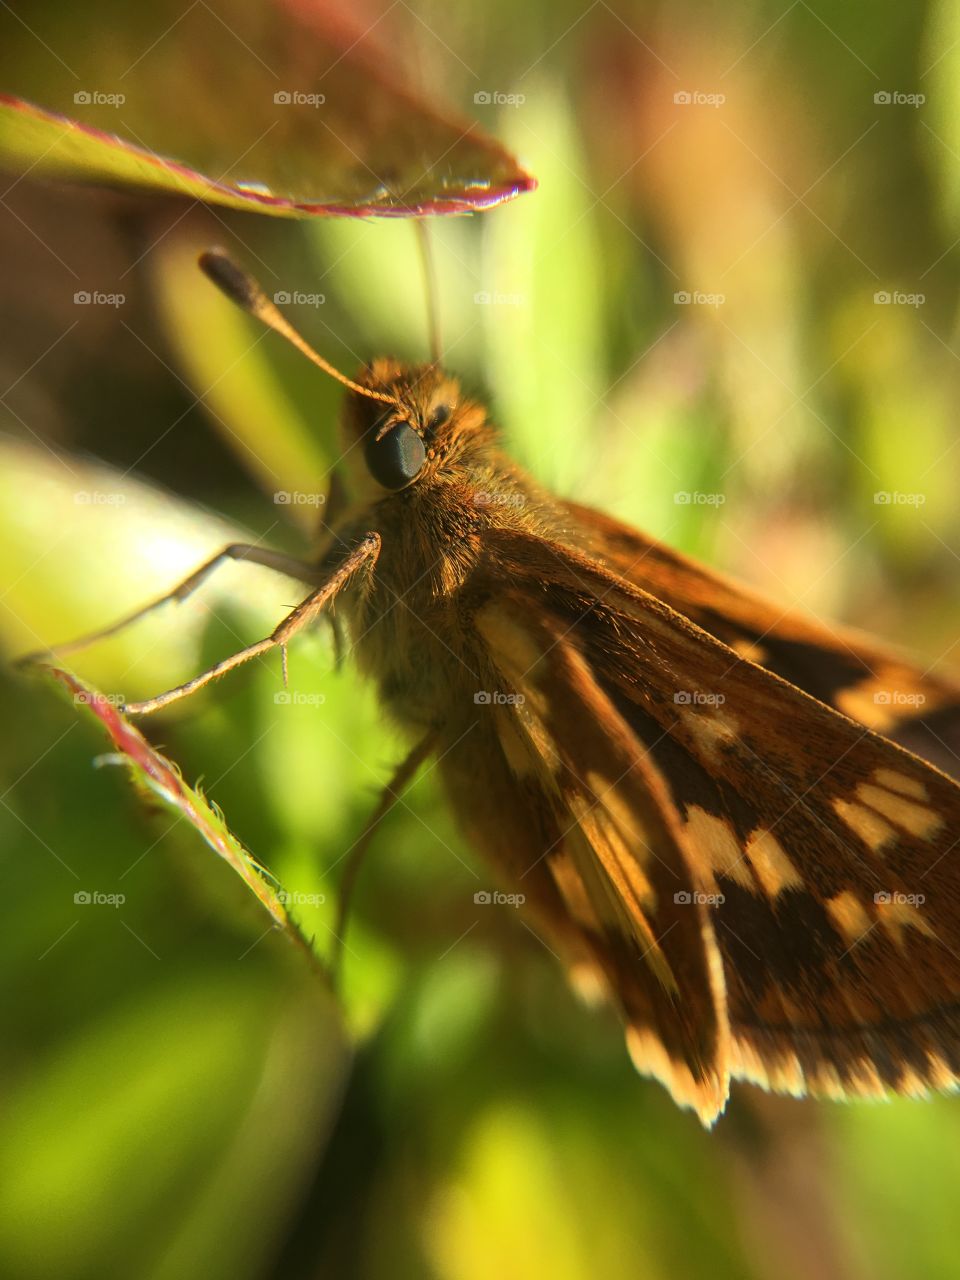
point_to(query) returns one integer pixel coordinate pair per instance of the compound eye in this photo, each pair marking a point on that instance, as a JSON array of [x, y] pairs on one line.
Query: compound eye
[[397, 458]]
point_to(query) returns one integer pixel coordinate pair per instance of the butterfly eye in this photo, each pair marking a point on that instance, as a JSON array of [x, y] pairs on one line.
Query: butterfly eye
[[437, 418], [396, 458]]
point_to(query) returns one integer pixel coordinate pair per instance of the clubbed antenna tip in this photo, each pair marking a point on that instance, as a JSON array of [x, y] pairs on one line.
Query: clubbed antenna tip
[[241, 288], [238, 286]]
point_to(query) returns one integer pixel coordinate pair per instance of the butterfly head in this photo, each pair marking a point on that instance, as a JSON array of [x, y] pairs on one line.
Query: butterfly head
[[408, 422]]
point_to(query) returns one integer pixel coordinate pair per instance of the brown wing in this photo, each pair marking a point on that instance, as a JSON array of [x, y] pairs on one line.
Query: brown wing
[[826, 854], [838, 665], [581, 824]]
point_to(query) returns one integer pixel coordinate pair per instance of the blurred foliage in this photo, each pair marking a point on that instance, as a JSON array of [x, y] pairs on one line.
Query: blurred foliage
[[176, 1101]]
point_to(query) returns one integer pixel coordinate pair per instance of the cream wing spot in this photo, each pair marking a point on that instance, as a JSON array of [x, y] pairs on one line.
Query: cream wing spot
[[632, 833], [605, 833], [633, 894], [869, 826], [912, 1086], [771, 864], [894, 781], [711, 731], [518, 653], [896, 917], [590, 983], [917, 819], [850, 916], [508, 638], [715, 849], [519, 757], [706, 1097], [783, 1075], [941, 1076], [570, 883], [865, 1080]]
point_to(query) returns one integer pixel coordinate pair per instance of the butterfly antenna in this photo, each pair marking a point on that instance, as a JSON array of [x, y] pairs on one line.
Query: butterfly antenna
[[241, 288], [430, 284]]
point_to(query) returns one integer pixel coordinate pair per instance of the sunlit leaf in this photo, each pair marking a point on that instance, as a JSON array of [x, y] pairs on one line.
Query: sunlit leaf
[[160, 777], [284, 108]]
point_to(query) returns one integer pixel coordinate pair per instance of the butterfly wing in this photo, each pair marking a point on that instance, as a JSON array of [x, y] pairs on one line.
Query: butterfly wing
[[825, 856], [841, 667], [581, 824]]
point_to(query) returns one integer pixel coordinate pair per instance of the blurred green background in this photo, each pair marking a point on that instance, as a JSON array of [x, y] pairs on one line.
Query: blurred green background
[[730, 315]]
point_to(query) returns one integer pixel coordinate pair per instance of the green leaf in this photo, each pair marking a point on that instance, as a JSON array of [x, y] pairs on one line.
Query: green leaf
[[280, 108], [157, 775]]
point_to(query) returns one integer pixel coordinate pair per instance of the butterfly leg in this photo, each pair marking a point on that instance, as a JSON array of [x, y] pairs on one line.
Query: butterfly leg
[[403, 775], [264, 556], [362, 557]]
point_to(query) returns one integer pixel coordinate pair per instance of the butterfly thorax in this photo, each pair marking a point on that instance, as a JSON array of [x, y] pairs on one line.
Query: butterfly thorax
[[410, 620]]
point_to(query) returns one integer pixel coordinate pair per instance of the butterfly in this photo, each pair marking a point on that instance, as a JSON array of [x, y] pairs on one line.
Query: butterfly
[[735, 824]]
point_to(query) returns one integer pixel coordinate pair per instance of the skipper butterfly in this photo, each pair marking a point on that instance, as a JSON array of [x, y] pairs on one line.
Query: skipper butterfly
[[732, 822]]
